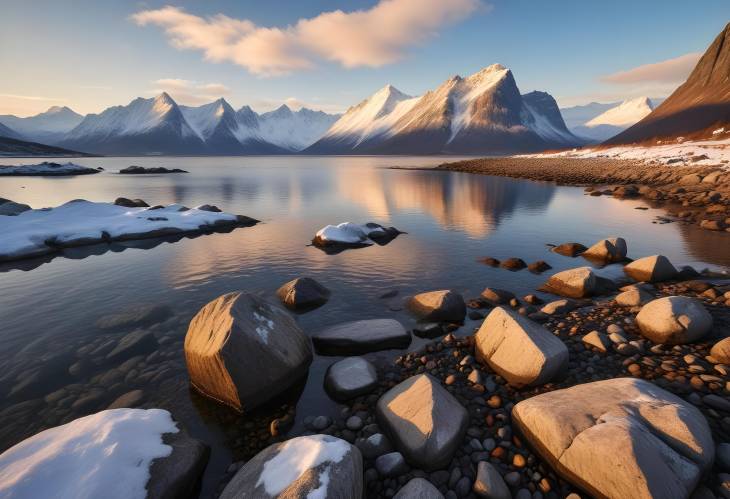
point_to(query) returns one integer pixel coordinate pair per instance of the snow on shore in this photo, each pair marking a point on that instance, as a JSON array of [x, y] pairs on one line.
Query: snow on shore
[[79, 222], [107, 454], [46, 168]]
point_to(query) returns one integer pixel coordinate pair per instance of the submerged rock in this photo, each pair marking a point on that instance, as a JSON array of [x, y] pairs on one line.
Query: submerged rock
[[358, 337], [674, 320], [438, 306], [243, 351], [303, 293]]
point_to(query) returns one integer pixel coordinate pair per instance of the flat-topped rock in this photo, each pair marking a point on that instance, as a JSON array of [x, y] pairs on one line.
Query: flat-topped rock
[[358, 337], [580, 282], [350, 378], [607, 250], [560, 306], [518, 349], [425, 422], [655, 268], [242, 351], [674, 320], [316, 466], [303, 293], [438, 306], [619, 438]]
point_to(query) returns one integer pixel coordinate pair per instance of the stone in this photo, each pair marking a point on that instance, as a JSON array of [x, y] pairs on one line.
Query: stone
[[428, 330], [319, 466], [539, 266], [559, 307], [497, 296], [489, 483], [580, 282], [619, 438], [375, 445], [129, 399], [633, 297], [137, 342], [179, 473], [518, 349], [513, 264], [596, 340], [722, 456], [321, 422], [569, 249], [135, 316], [350, 378], [607, 250], [303, 293], [655, 268], [12, 209], [438, 306], [358, 337], [242, 351], [391, 464], [425, 422], [690, 179], [418, 488], [674, 320], [721, 351]]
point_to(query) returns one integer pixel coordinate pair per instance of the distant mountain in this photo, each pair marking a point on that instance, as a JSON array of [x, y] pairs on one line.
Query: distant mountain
[[9, 133], [481, 114], [615, 119], [576, 116], [294, 130], [697, 108], [10, 147], [47, 127]]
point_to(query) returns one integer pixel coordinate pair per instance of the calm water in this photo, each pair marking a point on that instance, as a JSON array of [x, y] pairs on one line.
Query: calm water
[[49, 315]]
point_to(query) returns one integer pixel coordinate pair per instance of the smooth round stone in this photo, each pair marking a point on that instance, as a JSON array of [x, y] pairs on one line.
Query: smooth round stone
[[391, 464], [350, 378]]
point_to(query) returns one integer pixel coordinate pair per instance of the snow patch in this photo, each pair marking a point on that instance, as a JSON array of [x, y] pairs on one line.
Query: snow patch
[[267, 325], [349, 233], [625, 114], [469, 90]]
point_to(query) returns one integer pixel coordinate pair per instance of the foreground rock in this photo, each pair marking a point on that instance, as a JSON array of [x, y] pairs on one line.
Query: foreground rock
[[243, 351], [634, 297], [654, 268], [418, 488], [46, 169], [303, 293], [438, 306], [350, 378], [720, 351], [358, 337], [118, 453], [521, 351], [581, 282], [350, 235], [141, 170], [619, 438], [425, 422], [674, 320], [316, 466], [607, 250]]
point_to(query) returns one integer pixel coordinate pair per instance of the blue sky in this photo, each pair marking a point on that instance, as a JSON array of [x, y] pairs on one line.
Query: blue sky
[[93, 54]]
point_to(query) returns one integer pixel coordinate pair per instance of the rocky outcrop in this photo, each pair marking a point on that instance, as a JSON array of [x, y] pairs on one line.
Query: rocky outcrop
[[318, 466], [350, 378], [654, 268], [243, 351], [619, 438], [303, 293], [674, 320], [607, 250], [425, 422], [521, 351], [358, 337], [438, 306]]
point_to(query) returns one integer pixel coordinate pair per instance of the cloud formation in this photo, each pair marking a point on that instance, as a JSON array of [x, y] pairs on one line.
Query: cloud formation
[[373, 37], [190, 92], [670, 71]]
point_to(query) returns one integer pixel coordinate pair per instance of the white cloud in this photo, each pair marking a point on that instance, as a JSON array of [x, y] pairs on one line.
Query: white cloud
[[373, 37], [670, 71], [190, 92]]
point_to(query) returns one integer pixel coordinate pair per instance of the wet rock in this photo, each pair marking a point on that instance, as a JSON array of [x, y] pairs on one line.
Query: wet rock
[[492, 262], [130, 399], [489, 483], [350, 378], [429, 330], [573, 283], [391, 464], [303, 293], [607, 250], [633, 297], [654, 268], [141, 170], [513, 264], [243, 351], [539, 266], [178, 474], [521, 351], [375, 445], [438, 306], [418, 488], [134, 317], [569, 249], [358, 337], [319, 466], [674, 320], [619, 438], [425, 422], [130, 203], [137, 342], [497, 296]]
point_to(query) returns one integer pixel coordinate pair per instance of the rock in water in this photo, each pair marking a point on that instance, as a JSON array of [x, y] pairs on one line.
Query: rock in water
[[438, 306], [521, 351], [316, 466], [350, 378], [358, 337], [674, 320], [654, 268], [243, 351], [619, 438], [497, 296], [419, 488], [425, 422], [573, 283], [569, 249], [607, 250], [303, 293]]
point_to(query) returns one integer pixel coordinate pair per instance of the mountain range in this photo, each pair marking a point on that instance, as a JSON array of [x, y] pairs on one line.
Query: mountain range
[[598, 122]]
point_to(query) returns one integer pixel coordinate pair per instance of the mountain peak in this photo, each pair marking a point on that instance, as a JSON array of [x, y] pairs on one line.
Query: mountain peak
[[164, 98]]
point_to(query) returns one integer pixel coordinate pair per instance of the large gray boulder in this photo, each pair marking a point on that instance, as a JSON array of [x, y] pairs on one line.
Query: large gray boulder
[[176, 475], [242, 351], [619, 438], [425, 422], [607, 250], [580, 282], [655, 268], [518, 349], [419, 488], [438, 306], [316, 466], [358, 337], [350, 378], [303, 293], [674, 320]]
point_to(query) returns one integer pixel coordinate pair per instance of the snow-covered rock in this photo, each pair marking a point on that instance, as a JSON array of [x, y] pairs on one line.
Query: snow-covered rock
[[46, 169], [354, 235], [115, 454], [77, 223]]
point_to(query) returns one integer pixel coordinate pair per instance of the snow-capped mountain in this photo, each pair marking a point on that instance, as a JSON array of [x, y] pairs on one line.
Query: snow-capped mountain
[[47, 127], [576, 116], [481, 114], [294, 130], [615, 119]]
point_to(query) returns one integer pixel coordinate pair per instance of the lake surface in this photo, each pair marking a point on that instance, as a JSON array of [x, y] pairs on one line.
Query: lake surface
[[55, 332]]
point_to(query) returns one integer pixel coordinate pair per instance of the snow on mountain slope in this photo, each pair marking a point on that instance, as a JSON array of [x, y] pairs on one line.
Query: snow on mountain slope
[[45, 127], [468, 90], [294, 130], [625, 114], [546, 119]]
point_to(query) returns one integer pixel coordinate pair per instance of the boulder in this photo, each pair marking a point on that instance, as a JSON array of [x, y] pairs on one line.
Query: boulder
[[518, 349], [419, 488], [391, 464], [674, 320], [559, 307], [619, 438], [242, 351], [513, 264], [303, 293], [12, 209], [607, 250], [654, 268], [497, 296], [316, 466], [633, 297], [358, 337], [720, 351], [489, 483], [438, 306], [177, 474], [373, 446], [350, 378], [539, 266], [425, 422], [573, 283], [569, 249]]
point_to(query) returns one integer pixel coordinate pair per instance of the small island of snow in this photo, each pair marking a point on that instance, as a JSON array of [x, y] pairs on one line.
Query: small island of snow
[[351, 235], [46, 169]]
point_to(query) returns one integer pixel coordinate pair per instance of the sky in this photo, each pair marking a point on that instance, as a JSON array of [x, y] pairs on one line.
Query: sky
[[322, 54]]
